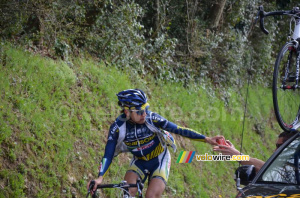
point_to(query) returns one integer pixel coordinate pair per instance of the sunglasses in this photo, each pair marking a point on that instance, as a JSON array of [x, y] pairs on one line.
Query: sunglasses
[[140, 112]]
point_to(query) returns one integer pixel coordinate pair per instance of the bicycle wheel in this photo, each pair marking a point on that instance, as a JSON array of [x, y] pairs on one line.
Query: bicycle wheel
[[286, 98]]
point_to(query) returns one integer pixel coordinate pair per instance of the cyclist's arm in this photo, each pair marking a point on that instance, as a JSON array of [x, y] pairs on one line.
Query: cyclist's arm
[[163, 123], [109, 149], [185, 132]]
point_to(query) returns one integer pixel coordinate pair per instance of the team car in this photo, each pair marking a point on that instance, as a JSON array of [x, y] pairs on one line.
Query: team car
[[278, 178]]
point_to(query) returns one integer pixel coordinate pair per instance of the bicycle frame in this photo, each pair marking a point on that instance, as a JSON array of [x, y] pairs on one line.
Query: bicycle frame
[[288, 66], [296, 33]]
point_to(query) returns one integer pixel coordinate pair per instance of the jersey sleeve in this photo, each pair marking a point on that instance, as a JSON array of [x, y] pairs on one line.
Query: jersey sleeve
[[109, 149], [163, 123]]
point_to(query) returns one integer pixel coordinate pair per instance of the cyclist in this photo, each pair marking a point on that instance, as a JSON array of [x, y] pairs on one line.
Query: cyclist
[[144, 134]]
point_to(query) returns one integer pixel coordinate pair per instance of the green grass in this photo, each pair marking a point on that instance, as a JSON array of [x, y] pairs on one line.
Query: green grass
[[55, 118]]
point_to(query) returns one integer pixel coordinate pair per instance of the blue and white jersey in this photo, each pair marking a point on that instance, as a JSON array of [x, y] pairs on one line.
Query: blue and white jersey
[[143, 143]]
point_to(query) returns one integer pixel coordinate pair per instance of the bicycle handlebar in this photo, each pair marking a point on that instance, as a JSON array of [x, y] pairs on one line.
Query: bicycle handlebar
[[262, 14], [122, 185]]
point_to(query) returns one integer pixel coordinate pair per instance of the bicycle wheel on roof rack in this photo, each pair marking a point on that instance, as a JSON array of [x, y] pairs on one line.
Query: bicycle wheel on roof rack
[[286, 98]]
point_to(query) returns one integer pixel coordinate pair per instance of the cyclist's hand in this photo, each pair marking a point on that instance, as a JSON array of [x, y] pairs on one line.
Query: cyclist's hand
[[97, 182], [213, 140]]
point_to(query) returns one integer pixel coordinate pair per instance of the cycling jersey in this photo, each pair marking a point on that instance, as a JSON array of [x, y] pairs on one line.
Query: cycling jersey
[[142, 141]]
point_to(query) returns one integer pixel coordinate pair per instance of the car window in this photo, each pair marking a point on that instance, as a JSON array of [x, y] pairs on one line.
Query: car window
[[283, 168]]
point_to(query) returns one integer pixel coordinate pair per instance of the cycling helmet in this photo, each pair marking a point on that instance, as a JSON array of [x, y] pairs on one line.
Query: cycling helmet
[[132, 99]]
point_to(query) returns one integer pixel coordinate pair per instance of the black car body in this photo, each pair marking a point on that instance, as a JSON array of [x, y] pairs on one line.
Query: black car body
[[280, 175]]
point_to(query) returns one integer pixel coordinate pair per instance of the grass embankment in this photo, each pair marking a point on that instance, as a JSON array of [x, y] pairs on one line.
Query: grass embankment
[[55, 118]]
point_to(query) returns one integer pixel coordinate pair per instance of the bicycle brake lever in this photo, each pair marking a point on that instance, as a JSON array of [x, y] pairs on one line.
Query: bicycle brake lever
[[261, 22], [261, 8], [92, 184], [257, 16]]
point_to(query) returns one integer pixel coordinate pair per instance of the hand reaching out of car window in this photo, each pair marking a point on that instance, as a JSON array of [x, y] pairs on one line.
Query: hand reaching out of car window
[[228, 149]]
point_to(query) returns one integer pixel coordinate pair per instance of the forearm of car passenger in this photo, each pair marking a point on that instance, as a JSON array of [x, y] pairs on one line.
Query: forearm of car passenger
[[254, 161]]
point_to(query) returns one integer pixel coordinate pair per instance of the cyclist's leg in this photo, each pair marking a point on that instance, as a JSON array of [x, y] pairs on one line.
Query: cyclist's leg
[[159, 176], [136, 171], [131, 178], [156, 188]]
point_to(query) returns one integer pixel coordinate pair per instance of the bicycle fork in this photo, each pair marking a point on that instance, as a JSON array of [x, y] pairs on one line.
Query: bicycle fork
[[296, 86], [297, 70], [288, 78]]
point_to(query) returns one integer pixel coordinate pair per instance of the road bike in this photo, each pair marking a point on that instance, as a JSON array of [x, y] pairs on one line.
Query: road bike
[[285, 87], [124, 186]]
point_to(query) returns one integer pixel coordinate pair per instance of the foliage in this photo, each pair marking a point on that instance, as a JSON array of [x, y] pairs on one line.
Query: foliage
[[118, 38], [171, 40], [55, 119]]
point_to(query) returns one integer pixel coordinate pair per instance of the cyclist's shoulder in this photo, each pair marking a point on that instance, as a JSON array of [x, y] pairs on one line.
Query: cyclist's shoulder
[[155, 117], [119, 121]]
